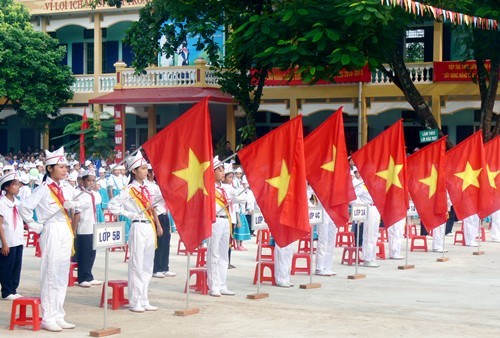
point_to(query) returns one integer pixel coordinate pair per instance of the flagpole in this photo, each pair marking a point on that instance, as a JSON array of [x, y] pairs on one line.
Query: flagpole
[[443, 259], [311, 285], [258, 295], [407, 266], [479, 252], [187, 311]]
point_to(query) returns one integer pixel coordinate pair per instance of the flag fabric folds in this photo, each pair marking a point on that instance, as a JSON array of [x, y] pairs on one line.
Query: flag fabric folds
[[181, 157], [327, 167], [274, 166], [492, 158], [427, 183], [466, 178], [85, 126], [382, 165]]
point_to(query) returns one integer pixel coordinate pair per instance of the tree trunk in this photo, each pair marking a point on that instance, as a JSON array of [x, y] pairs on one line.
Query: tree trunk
[[488, 86], [402, 79]]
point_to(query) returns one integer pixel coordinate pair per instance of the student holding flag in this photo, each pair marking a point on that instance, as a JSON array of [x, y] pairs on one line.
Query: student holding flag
[[135, 202]]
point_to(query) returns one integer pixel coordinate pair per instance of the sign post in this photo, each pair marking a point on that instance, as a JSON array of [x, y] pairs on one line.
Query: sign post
[[107, 235], [359, 214], [315, 217], [412, 212], [258, 223]]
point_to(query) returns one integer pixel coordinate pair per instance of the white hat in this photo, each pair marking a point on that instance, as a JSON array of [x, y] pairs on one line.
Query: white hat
[[24, 178], [56, 157], [150, 167], [8, 167], [228, 168], [73, 176], [102, 170], [87, 163], [238, 170], [135, 161], [104, 164], [38, 162], [21, 165], [7, 178], [88, 173], [33, 177], [217, 162]]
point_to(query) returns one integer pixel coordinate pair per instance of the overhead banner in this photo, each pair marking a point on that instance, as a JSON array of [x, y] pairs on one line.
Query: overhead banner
[[279, 77], [456, 71]]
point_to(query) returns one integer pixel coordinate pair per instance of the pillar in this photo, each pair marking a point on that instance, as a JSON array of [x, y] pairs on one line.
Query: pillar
[[230, 125], [45, 138], [436, 108], [151, 121], [97, 50], [294, 110], [438, 42], [119, 115], [364, 123]]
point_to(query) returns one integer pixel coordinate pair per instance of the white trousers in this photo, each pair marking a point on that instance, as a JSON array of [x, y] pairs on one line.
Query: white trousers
[[283, 263], [141, 247], [217, 255], [395, 235], [327, 232], [471, 228], [370, 234], [56, 243], [438, 237], [495, 226]]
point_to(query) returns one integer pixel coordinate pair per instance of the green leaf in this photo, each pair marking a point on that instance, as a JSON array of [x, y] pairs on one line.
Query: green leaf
[[345, 59]]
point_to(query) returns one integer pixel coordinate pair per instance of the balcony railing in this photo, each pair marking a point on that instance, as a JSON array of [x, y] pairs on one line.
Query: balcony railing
[[201, 75]]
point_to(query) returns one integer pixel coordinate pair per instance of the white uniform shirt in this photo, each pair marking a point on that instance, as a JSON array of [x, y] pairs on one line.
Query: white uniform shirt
[[44, 203], [362, 194], [14, 237], [24, 192], [160, 205], [124, 204], [115, 182], [87, 210]]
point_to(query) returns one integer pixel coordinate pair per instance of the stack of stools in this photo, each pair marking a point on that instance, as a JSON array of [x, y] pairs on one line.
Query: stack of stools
[[349, 256], [32, 238], [344, 238], [73, 273], [422, 246], [266, 260], [23, 319], [383, 234], [201, 257], [201, 284], [263, 278], [118, 295], [264, 234], [181, 250]]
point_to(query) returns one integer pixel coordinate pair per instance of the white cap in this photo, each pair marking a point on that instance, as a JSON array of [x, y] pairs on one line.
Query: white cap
[[228, 168], [56, 157], [24, 178], [135, 161], [217, 162], [8, 167], [102, 170], [121, 166], [73, 176], [38, 162], [238, 170], [87, 163], [88, 173], [7, 178]]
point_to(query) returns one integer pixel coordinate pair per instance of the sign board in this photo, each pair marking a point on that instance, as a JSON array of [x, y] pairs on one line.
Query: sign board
[[315, 215], [412, 211], [258, 221], [109, 235], [359, 212], [429, 135]]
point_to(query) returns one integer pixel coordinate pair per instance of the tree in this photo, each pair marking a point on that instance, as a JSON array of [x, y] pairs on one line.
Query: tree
[[32, 79]]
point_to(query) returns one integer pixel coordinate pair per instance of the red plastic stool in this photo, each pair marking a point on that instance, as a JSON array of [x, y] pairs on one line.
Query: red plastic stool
[[344, 238], [265, 235], [482, 236], [305, 245], [345, 227], [23, 320], [295, 268], [183, 250], [457, 239], [127, 256], [421, 246], [32, 239], [201, 281], [381, 250], [383, 235], [201, 257], [38, 250], [349, 256], [263, 278], [73, 275], [118, 295], [413, 230], [109, 217], [268, 256]]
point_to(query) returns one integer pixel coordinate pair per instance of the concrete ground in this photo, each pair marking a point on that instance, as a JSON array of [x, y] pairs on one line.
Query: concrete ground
[[460, 297]]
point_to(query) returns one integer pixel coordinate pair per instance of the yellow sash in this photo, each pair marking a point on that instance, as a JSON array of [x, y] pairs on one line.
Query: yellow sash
[[141, 200], [222, 202], [55, 197]]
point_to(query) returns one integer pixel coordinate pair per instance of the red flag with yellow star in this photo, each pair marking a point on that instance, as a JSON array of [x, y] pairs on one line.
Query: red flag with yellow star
[[382, 165], [492, 157], [274, 165], [327, 167], [181, 157], [466, 178], [427, 183]]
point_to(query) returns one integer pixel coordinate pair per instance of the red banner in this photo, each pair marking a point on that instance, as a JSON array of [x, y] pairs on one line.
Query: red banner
[[119, 116], [456, 71], [279, 77]]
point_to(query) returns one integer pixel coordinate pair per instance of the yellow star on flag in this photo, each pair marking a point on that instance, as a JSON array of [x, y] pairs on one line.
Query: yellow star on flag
[[391, 174], [492, 175], [281, 182], [469, 176], [431, 181], [330, 166], [193, 175]]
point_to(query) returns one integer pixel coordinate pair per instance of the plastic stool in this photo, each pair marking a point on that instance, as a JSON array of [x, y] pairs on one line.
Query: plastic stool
[[109, 217], [307, 268], [23, 320], [345, 227], [38, 250], [32, 239], [458, 240], [269, 256], [349, 256], [265, 235], [118, 295], [181, 251], [127, 256], [482, 236], [381, 250], [73, 275], [264, 278], [413, 230], [418, 247], [383, 234], [344, 238], [201, 257], [305, 245], [201, 281]]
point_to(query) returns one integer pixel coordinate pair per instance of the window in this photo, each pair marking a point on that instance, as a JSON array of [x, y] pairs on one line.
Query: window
[[418, 46]]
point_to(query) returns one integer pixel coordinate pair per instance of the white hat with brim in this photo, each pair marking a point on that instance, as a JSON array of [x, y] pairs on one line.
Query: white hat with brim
[[135, 161], [8, 167], [88, 173], [7, 178], [217, 162], [56, 157]]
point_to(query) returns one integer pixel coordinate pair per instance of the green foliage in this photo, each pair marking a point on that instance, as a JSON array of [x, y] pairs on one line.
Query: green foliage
[[32, 79], [99, 137]]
